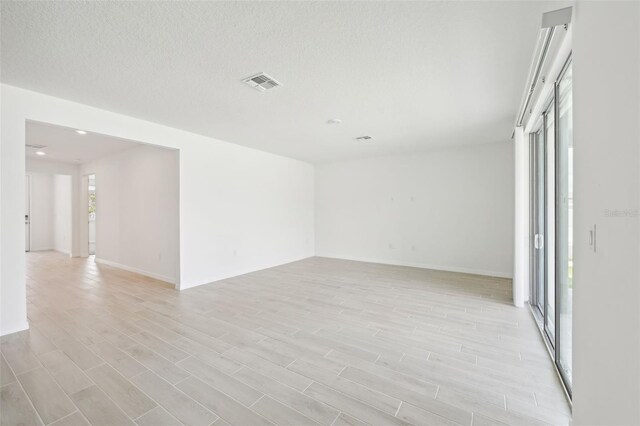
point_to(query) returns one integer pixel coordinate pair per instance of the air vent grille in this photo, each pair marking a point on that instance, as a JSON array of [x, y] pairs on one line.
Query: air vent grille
[[35, 146], [262, 82]]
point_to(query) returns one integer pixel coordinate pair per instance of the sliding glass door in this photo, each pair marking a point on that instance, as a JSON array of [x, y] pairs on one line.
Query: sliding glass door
[[564, 223], [552, 223]]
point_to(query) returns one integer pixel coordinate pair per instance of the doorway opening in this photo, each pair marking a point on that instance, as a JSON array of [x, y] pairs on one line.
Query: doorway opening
[[138, 224], [48, 211]]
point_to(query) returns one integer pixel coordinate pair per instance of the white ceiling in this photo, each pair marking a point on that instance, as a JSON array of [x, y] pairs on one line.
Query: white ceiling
[[413, 75], [67, 146]]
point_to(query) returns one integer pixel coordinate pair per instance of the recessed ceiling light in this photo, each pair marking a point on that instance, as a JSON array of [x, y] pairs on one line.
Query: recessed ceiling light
[[81, 132], [41, 153], [334, 121], [364, 138]]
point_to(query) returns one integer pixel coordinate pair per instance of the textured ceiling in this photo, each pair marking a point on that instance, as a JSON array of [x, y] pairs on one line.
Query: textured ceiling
[[413, 75], [67, 146]]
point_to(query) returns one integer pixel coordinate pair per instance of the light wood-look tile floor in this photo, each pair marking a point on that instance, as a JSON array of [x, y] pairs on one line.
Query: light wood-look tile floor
[[315, 342]]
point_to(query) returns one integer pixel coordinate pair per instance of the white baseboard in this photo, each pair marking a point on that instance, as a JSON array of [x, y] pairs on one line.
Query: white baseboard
[[482, 272], [224, 277], [14, 328], [463, 270], [136, 270], [51, 249]]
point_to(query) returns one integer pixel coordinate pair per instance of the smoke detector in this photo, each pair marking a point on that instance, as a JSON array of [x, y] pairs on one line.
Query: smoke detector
[[261, 82], [364, 138]]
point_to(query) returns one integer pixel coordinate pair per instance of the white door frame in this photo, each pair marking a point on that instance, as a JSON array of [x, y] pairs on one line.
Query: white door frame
[[27, 217]]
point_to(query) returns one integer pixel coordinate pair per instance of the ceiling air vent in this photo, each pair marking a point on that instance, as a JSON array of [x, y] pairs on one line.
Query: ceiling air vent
[[261, 82], [364, 138], [35, 146]]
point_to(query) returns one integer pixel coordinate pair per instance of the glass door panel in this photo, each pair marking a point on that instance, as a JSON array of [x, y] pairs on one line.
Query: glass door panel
[[538, 221], [549, 125], [564, 224]]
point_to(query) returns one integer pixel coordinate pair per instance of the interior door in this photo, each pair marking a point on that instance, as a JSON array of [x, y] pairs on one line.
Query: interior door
[[27, 213]]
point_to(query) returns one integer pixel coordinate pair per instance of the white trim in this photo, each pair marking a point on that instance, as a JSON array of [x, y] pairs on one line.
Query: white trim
[[67, 252], [137, 271], [41, 249], [20, 327], [459, 269]]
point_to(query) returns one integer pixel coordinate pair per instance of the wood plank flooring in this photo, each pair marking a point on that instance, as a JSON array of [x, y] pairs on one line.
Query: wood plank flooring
[[316, 342]]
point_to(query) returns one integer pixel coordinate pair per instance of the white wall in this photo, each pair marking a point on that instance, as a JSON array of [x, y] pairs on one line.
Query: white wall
[[444, 209], [137, 211], [41, 202], [606, 318], [521, 243], [240, 209], [61, 212]]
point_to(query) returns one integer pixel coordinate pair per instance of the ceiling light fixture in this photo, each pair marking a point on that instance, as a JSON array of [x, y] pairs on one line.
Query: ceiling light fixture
[[41, 153], [81, 132], [334, 121]]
